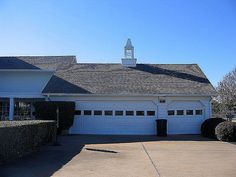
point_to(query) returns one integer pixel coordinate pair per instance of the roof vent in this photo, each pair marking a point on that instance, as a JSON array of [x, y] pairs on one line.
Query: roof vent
[[129, 60]]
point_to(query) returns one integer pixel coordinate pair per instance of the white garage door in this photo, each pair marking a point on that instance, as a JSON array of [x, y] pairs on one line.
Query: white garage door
[[115, 117], [185, 117]]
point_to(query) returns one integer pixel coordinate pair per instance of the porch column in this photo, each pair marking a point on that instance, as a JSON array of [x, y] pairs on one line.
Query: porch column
[[11, 109]]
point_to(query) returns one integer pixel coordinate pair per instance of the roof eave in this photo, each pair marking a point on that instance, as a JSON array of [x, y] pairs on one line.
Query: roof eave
[[117, 95]]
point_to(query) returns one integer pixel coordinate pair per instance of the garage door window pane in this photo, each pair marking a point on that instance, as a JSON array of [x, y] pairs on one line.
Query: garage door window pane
[[171, 112], [150, 113], [97, 113], [140, 113], [87, 112], [77, 112], [108, 113], [198, 112], [180, 112], [129, 113], [189, 112], [119, 113]]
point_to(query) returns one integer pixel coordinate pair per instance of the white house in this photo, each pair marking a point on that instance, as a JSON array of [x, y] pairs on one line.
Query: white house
[[123, 98]]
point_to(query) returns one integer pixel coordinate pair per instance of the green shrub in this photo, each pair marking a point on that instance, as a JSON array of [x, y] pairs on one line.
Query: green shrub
[[209, 125], [46, 110], [226, 131], [19, 138]]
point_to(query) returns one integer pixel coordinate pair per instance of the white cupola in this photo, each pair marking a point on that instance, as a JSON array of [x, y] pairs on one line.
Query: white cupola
[[129, 60]]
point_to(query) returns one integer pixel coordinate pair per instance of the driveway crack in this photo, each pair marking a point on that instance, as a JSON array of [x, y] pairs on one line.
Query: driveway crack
[[153, 164]]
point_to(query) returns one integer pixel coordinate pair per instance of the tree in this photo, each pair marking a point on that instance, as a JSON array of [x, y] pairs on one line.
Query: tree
[[216, 108], [227, 92]]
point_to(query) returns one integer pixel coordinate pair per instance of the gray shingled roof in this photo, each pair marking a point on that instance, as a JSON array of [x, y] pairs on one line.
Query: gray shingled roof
[[37, 62], [15, 63], [71, 77]]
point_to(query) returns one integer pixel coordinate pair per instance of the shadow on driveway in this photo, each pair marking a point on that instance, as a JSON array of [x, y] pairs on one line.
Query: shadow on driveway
[[51, 158]]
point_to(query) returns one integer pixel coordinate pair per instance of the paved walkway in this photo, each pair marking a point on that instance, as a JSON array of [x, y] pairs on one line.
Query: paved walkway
[[129, 156]]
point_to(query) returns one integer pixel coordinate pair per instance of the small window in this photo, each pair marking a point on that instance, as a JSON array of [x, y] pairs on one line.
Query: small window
[[129, 113], [162, 101], [78, 112], [180, 112], [140, 113], [198, 112], [150, 113], [171, 112], [119, 113], [87, 112], [189, 112], [108, 113], [97, 113]]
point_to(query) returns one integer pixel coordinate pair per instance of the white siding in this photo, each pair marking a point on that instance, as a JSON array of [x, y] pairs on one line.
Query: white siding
[[23, 82], [135, 124]]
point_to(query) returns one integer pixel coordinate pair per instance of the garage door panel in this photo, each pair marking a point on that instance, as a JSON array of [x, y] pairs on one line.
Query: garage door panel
[[101, 125], [185, 105], [96, 124], [115, 105], [185, 124]]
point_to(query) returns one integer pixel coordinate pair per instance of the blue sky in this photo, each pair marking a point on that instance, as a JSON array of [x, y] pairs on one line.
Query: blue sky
[[162, 31]]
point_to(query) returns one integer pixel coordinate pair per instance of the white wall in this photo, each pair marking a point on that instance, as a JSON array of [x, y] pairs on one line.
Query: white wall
[[145, 125], [93, 124], [23, 82]]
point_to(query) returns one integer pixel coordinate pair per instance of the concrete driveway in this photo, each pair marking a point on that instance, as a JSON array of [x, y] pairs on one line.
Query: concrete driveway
[[128, 156]]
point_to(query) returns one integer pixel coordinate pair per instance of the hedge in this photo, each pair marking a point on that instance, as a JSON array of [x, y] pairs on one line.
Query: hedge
[[209, 125], [226, 131], [19, 138], [46, 110]]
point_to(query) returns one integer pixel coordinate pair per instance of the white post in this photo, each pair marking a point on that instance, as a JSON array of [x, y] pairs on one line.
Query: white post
[[11, 109]]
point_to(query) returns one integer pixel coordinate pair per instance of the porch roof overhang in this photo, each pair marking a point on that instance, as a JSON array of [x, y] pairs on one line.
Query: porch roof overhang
[[20, 95]]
